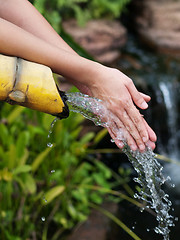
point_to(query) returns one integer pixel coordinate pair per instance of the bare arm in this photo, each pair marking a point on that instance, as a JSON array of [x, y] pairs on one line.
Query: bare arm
[[23, 14], [17, 42], [35, 40]]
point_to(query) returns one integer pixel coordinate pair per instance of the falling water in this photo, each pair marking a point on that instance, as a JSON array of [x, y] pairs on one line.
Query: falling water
[[149, 170], [49, 144], [170, 100]]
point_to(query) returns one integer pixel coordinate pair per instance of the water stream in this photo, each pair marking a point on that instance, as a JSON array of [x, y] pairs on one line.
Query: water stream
[[149, 170], [158, 76]]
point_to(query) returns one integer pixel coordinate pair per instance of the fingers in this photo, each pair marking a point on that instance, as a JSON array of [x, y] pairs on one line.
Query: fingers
[[121, 96], [151, 144], [147, 98], [136, 131], [134, 122], [119, 143], [131, 119], [151, 133], [119, 134], [135, 127], [138, 98]]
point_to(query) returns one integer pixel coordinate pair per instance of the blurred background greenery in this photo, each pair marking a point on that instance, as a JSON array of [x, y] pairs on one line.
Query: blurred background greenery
[[46, 191]]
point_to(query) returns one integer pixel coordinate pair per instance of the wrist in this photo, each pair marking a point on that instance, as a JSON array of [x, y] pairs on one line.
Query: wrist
[[87, 72]]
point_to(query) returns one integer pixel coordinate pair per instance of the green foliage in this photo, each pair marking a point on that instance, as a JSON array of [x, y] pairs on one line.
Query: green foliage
[[82, 10], [37, 181]]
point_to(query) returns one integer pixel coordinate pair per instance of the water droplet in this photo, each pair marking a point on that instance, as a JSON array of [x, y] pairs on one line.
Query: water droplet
[[142, 210], [53, 171], [168, 178], [147, 229], [135, 195], [49, 145], [44, 199], [43, 219]]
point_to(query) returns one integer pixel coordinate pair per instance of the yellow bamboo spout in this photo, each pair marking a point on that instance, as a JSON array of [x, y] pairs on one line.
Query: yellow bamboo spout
[[31, 85]]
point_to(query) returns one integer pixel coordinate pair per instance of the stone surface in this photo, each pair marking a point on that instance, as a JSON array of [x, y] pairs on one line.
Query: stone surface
[[158, 24], [98, 226], [100, 38]]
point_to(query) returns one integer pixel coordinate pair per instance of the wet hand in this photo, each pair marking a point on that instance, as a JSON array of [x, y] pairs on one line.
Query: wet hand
[[122, 97]]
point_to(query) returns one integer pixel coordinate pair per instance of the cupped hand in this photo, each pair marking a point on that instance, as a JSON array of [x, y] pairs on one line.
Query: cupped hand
[[122, 97]]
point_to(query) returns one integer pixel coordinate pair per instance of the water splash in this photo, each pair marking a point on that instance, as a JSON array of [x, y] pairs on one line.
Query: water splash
[[151, 179], [49, 144], [43, 219], [149, 170]]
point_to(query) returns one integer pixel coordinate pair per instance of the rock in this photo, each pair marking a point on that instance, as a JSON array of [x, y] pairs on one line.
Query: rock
[[100, 38], [158, 24]]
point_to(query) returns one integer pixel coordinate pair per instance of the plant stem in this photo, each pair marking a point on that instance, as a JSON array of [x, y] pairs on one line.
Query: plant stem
[[116, 220]]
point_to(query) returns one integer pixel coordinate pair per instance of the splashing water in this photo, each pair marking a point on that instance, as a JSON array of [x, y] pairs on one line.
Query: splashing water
[[149, 170]]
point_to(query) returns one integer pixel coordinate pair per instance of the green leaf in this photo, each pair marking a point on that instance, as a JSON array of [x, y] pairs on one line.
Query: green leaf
[[100, 135], [87, 137], [4, 134], [104, 169], [29, 183], [53, 193], [11, 237], [2, 153], [23, 159], [76, 132], [6, 175], [12, 157], [96, 198], [40, 158], [22, 142], [100, 180], [15, 114], [81, 195], [81, 217], [72, 211], [22, 169]]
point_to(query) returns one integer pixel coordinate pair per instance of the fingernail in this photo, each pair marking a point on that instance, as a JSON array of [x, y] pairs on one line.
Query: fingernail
[[133, 147], [141, 147], [144, 105]]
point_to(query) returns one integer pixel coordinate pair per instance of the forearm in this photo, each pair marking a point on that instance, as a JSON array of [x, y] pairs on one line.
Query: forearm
[[25, 33], [23, 14], [17, 42]]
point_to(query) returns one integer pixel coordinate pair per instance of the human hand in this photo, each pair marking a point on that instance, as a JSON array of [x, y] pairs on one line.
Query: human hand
[[121, 96]]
